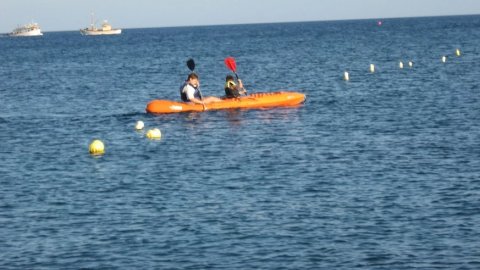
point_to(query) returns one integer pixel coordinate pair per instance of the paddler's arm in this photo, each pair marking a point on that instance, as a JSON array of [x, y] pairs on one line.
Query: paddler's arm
[[191, 96], [198, 101], [240, 88]]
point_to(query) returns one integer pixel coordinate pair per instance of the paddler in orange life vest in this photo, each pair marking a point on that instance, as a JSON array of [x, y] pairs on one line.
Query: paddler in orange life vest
[[189, 91], [233, 90]]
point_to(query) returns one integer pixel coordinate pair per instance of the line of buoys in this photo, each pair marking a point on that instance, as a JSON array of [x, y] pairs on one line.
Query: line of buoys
[[97, 148], [346, 75]]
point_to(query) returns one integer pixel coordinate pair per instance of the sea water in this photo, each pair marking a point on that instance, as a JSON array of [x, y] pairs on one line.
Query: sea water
[[378, 172]]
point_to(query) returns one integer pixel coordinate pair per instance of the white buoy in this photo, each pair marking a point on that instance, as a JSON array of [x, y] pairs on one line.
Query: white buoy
[[444, 59], [458, 52], [372, 68], [410, 64], [154, 134], [97, 148], [346, 76], [140, 125], [400, 64]]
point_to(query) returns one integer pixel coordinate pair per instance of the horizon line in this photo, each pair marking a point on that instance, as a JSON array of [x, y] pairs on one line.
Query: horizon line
[[275, 22]]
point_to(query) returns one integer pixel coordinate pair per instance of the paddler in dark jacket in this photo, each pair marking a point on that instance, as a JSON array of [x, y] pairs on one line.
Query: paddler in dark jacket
[[233, 90]]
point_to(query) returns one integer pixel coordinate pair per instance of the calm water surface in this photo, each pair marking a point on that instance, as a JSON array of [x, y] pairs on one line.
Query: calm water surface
[[381, 172]]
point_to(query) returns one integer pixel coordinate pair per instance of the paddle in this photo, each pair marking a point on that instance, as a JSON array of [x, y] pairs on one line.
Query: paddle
[[191, 66], [230, 63]]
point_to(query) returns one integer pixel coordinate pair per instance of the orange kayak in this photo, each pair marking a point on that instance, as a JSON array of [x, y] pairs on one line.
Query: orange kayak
[[252, 101]]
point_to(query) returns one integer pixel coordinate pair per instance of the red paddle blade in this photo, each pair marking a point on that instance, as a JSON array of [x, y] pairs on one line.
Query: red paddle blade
[[230, 63]]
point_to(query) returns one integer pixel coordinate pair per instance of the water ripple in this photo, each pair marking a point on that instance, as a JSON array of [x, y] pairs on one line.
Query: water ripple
[[378, 172]]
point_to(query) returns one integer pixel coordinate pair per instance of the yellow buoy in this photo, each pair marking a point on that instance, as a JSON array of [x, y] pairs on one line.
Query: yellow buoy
[[346, 76], [444, 59], [154, 134], [97, 147], [400, 64], [458, 52], [140, 125], [372, 68]]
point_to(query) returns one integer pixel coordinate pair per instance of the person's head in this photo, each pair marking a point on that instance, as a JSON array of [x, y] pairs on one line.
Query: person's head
[[193, 79], [229, 82], [229, 78]]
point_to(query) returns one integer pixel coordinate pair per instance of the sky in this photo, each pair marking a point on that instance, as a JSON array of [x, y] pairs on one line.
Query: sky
[[60, 15]]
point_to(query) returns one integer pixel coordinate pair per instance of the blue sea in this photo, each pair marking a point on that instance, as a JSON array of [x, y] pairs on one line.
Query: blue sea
[[379, 172]]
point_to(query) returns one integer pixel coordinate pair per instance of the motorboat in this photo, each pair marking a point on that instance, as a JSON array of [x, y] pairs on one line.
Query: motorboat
[[106, 29], [28, 30]]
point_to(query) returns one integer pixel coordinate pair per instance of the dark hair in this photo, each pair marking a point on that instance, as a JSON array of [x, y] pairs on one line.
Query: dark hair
[[229, 78], [192, 75]]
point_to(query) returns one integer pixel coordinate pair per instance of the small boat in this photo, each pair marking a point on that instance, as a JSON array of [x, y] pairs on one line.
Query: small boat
[[28, 30], [105, 30], [252, 101]]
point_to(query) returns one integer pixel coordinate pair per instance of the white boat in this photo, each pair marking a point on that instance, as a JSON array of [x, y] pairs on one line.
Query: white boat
[[105, 30], [28, 30]]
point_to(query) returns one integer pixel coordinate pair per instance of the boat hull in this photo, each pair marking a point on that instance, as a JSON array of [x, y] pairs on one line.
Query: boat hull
[[32, 33], [253, 101], [87, 32]]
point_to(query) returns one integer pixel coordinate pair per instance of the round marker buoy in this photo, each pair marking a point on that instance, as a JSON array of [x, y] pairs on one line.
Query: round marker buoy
[[139, 125], [154, 134], [97, 147], [444, 59], [372, 68], [346, 76], [400, 64], [410, 64], [458, 52]]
